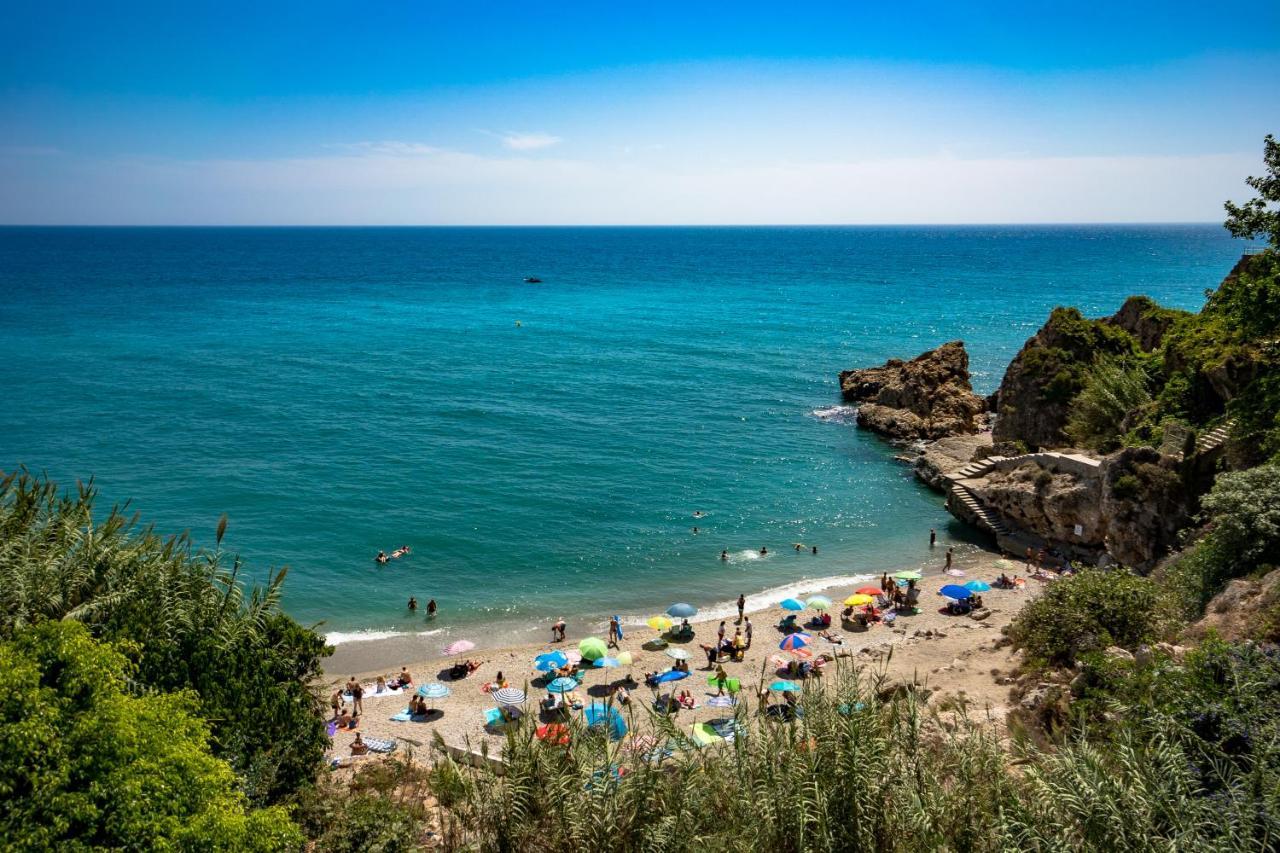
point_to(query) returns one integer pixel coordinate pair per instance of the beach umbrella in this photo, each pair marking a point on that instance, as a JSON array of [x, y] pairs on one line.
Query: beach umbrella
[[782, 685], [803, 654], [434, 690], [624, 658], [678, 654], [572, 656], [562, 685], [978, 586], [659, 623], [592, 648], [819, 602], [597, 714], [858, 599], [508, 696], [556, 734], [794, 641], [955, 591], [459, 647], [682, 611], [869, 590], [791, 604], [550, 661], [908, 576], [671, 675], [607, 662]]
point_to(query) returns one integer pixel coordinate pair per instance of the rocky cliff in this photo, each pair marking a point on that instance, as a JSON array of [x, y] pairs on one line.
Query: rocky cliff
[[1050, 370], [926, 397]]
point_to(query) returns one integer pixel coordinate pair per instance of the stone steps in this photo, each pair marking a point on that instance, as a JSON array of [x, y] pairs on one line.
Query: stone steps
[[1214, 438], [988, 519]]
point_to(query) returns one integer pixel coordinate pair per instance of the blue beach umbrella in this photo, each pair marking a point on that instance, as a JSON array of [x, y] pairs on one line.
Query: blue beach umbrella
[[784, 686], [562, 685], [791, 604], [549, 661], [682, 611], [671, 675], [434, 690], [978, 586], [955, 591], [607, 661], [600, 715]]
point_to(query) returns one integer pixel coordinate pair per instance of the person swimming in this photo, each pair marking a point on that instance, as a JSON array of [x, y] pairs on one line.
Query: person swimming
[[724, 555], [413, 604], [764, 551], [697, 513], [382, 557], [400, 552]]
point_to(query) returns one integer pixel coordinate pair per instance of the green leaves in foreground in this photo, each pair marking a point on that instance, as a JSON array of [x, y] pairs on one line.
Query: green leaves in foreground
[[87, 766]]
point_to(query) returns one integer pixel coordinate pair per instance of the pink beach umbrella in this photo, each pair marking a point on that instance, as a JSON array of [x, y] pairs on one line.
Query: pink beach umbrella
[[459, 647]]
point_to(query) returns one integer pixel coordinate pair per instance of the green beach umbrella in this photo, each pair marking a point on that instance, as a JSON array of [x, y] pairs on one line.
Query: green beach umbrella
[[819, 602], [593, 648], [908, 576]]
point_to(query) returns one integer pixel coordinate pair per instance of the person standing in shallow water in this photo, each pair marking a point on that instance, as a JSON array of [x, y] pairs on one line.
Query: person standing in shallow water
[[413, 604], [431, 609], [742, 605], [933, 537], [950, 554]]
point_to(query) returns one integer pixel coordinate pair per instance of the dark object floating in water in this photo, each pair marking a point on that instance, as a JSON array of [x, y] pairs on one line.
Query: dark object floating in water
[[532, 279]]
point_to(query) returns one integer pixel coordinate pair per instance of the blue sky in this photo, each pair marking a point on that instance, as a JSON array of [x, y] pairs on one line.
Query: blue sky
[[454, 113]]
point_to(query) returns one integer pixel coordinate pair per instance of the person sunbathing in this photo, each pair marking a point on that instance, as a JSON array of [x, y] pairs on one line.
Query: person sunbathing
[[344, 719], [831, 637], [622, 695], [358, 746], [686, 700]]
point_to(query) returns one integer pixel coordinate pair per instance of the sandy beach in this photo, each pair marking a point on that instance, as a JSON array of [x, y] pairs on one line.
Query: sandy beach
[[954, 656]]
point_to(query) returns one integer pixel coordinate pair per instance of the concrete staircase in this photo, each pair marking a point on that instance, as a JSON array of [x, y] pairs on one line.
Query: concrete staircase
[[986, 518], [1214, 438]]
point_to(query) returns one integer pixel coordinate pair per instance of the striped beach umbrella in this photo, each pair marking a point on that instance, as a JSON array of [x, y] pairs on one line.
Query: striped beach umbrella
[[678, 654], [434, 690], [562, 685], [508, 696], [794, 641]]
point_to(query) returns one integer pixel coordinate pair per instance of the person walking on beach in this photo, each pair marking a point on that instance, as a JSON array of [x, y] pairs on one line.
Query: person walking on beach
[[746, 629], [885, 583], [742, 606], [950, 554], [720, 635], [357, 696], [712, 656], [722, 678], [933, 537], [431, 609], [335, 702], [615, 632]]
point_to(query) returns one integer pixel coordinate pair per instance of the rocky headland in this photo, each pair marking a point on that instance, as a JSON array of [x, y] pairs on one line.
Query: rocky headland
[[1106, 432]]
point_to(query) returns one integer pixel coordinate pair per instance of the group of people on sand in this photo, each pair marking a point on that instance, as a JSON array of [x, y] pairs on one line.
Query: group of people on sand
[[384, 557]]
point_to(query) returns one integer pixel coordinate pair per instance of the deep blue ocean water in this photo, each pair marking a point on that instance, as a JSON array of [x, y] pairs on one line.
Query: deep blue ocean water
[[541, 447]]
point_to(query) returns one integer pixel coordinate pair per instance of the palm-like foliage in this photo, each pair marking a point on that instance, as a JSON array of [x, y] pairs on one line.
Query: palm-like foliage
[[188, 619], [855, 773]]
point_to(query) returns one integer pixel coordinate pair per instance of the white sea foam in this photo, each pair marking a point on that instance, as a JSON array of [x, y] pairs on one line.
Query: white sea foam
[[771, 597], [836, 414], [338, 637]]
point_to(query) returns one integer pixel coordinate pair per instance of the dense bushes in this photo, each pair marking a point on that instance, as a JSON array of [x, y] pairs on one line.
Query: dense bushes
[[1112, 391], [1242, 522], [858, 773], [1091, 611], [184, 620], [87, 766]]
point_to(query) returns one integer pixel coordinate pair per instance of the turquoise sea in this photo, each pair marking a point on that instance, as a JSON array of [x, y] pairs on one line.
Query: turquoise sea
[[541, 447]]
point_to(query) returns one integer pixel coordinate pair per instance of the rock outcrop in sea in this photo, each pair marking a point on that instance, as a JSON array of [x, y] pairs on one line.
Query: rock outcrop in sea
[[927, 397]]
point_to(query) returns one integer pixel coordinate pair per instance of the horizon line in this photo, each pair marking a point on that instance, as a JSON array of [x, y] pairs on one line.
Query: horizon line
[[1062, 223]]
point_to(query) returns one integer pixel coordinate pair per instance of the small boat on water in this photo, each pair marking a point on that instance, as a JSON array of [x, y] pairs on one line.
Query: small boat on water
[[532, 279]]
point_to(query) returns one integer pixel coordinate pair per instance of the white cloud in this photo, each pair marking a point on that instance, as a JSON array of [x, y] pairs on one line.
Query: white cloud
[[528, 141], [389, 147]]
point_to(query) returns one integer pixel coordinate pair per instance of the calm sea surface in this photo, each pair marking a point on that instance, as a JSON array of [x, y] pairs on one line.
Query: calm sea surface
[[541, 447]]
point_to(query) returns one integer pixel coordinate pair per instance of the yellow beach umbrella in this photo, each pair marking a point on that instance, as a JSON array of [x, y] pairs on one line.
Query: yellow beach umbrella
[[624, 658], [659, 623], [858, 599]]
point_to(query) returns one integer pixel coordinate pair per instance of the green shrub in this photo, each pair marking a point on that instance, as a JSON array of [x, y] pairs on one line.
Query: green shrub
[[1126, 488], [1112, 392], [1088, 612], [87, 766], [186, 620]]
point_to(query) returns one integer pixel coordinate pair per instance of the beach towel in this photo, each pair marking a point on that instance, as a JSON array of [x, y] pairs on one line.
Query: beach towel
[[721, 702], [376, 744]]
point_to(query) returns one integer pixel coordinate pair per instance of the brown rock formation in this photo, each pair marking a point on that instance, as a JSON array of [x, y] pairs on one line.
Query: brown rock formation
[[1141, 317], [927, 397], [1246, 610]]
